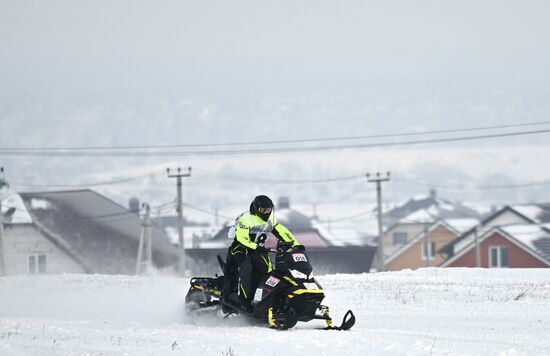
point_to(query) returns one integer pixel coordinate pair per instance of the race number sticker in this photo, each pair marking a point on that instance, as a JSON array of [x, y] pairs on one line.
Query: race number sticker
[[272, 281], [258, 295], [299, 257]]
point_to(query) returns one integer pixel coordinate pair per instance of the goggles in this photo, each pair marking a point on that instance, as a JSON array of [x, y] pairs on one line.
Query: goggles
[[262, 210]]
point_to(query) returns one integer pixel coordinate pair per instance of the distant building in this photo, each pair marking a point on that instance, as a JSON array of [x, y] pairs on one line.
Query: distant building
[[421, 251], [508, 215], [434, 206], [406, 222], [328, 253], [515, 228], [77, 231], [512, 246]]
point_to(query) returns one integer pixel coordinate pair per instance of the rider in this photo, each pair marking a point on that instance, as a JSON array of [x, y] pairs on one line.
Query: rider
[[247, 259]]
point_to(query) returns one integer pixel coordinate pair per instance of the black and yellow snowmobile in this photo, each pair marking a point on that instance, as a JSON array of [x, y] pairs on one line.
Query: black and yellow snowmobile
[[283, 297]]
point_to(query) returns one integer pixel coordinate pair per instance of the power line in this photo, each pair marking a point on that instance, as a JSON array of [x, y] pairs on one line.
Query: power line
[[346, 218], [441, 185], [352, 217], [127, 215], [245, 180], [84, 185], [472, 188], [164, 205], [35, 153], [303, 140], [27, 185], [207, 211], [282, 181]]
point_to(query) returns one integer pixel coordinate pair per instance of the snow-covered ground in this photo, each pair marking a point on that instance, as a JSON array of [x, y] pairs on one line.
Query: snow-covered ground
[[424, 312]]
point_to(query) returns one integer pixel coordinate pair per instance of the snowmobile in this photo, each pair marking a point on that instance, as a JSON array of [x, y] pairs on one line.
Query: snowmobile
[[286, 295]]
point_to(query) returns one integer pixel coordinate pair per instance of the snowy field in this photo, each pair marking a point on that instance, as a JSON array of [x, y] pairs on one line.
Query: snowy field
[[423, 312]]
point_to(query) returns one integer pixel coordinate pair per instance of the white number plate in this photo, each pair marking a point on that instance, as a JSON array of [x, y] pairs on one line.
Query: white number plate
[[299, 257]]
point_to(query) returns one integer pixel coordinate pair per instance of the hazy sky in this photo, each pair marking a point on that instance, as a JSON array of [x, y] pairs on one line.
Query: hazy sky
[[131, 45], [152, 72]]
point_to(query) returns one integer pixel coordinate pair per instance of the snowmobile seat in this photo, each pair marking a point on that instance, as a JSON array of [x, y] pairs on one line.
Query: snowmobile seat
[[222, 264]]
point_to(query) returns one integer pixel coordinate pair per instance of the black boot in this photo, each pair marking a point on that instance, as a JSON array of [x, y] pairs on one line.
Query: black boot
[[246, 305], [229, 296]]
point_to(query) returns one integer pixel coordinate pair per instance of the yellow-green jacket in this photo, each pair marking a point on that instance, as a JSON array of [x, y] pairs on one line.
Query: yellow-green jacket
[[251, 231]]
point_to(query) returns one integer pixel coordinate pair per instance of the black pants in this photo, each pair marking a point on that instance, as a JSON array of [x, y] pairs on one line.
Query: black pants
[[244, 269]]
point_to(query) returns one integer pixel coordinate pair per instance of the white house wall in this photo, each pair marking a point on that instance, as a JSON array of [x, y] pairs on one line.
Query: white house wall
[[506, 218], [412, 230], [22, 241]]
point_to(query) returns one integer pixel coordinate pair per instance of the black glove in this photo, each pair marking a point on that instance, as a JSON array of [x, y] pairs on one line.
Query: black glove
[[299, 248], [283, 246], [262, 250]]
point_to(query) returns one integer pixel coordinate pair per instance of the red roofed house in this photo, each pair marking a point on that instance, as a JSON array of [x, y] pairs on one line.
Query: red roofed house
[[421, 250], [513, 246], [512, 227]]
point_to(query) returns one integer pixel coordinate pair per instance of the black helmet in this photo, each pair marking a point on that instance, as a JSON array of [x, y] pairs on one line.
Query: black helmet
[[262, 206]]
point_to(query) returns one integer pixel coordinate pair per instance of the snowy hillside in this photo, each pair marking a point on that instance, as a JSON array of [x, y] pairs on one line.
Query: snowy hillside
[[429, 311]]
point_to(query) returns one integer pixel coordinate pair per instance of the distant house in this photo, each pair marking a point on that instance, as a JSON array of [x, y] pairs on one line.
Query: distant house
[[512, 246], [402, 232], [507, 216], [77, 231], [408, 221], [328, 253], [434, 205], [421, 250]]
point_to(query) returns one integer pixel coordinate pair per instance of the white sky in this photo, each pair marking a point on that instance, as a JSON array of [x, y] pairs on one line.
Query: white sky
[[161, 43], [170, 72]]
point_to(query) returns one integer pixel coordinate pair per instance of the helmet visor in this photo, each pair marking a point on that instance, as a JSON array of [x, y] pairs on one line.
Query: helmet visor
[[265, 211]]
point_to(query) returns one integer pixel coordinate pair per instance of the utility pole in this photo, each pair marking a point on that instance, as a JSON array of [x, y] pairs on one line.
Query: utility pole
[[2, 184], [1, 239], [476, 242], [378, 180], [426, 245], [314, 216], [179, 207], [216, 215], [145, 249]]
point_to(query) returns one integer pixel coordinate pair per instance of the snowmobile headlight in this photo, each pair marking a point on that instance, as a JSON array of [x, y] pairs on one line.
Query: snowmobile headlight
[[297, 274]]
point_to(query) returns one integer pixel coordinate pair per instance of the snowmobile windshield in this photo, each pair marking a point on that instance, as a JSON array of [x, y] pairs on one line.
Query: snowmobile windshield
[[259, 229], [271, 219]]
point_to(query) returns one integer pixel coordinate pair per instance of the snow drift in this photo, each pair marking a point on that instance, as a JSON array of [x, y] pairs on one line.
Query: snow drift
[[422, 312]]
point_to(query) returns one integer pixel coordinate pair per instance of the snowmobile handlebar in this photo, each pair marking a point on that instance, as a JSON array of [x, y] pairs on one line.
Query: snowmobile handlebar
[[286, 246], [298, 248]]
